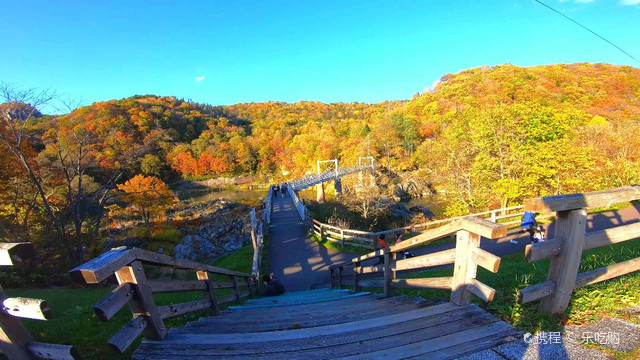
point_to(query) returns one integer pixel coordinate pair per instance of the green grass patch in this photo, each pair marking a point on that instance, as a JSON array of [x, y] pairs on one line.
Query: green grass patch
[[335, 246], [588, 304], [74, 321]]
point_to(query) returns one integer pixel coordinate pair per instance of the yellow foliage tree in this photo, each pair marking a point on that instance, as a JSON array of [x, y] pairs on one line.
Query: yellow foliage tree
[[147, 196]]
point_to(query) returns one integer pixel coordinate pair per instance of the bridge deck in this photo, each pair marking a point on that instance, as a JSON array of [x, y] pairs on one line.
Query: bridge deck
[[299, 263], [328, 324]]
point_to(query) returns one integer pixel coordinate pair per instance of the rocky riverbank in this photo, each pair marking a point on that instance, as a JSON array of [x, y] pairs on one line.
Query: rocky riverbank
[[197, 231]]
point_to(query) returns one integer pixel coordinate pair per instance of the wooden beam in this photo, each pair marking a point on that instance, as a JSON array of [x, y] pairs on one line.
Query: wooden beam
[[174, 310], [128, 334], [612, 236], [167, 286], [15, 253], [142, 303], [209, 292], [371, 255], [423, 283], [387, 274], [53, 351], [371, 269], [588, 200], [27, 308], [482, 227], [428, 236], [444, 257], [113, 302], [563, 269], [543, 250], [481, 290], [165, 260], [464, 269], [536, 292], [105, 265], [607, 272], [485, 259], [236, 291]]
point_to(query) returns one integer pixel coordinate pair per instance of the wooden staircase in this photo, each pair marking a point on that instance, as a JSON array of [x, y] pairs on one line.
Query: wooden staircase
[[329, 324]]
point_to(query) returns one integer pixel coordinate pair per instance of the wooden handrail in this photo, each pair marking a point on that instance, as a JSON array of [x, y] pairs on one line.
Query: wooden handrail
[[16, 343], [565, 250], [467, 256], [137, 291]]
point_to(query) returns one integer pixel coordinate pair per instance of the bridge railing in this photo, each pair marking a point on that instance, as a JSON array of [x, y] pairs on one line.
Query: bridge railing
[[135, 289], [15, 341], [344, 237], [328, 175], [571, 239], [466, 257], [257, 240]]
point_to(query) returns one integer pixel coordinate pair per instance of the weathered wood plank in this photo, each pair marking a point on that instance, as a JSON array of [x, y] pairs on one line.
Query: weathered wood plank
[[481, 290], [444, 257], [588, 200], [174, 310], [15, 253], [611, 236], [13, 335], [485, 259], [482, 227], [543, 250], [563, 269], [437, 344], [209, 292], [168, 286], [343, 344], [105, 265], [53, 351], [535, 292], [328, 330], [427, 236], [113, 302], [464, 269], [423, 283], [160, 259], [607, 272], [27, 308], [128, 334], [142, 303]]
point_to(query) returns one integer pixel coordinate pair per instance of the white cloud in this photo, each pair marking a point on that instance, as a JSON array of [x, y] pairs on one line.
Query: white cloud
[[200, 78], [630, 2]]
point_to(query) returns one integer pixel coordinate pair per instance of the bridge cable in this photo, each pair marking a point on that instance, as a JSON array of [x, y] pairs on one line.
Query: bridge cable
[[586, 28]]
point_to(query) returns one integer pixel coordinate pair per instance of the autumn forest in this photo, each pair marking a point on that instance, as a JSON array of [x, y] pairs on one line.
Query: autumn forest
[[486, 137]]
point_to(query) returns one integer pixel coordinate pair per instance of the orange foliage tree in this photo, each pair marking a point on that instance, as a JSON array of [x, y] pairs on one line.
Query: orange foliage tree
[[147, 196]]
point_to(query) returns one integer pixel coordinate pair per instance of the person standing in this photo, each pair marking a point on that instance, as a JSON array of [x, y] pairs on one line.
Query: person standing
[[381, 245]]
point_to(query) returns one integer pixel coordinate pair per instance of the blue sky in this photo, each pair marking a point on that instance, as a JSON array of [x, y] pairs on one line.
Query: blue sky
[[225, 52]]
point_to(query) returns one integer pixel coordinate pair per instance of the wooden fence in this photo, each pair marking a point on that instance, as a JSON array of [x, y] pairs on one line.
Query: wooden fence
[[367, 239], [571, 239], [466, 257], [135, 289], [15, 341]]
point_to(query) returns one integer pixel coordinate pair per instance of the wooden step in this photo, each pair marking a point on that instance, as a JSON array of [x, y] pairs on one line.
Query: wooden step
[[336, 297], [443, 332], [284, 299]]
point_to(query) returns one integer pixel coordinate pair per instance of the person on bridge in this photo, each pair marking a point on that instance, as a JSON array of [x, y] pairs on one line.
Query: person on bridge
[[275, 191], [273, 287], [284, 189]]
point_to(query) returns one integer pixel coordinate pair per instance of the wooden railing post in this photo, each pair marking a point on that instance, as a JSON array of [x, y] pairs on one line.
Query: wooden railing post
[[235, 287], [14, 337], [356, 270], [340, 277], [387, 273], [209, 292], [342, 237], [563, 269], [142, 303], [464, 269], [323, 235]]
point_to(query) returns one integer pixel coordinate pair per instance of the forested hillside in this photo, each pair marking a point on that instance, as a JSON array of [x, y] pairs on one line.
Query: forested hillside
[[488, 137]]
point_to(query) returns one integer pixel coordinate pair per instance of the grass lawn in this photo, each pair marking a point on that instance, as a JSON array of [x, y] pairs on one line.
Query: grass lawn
[[588, 304], [74, 321], [336, 246]]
